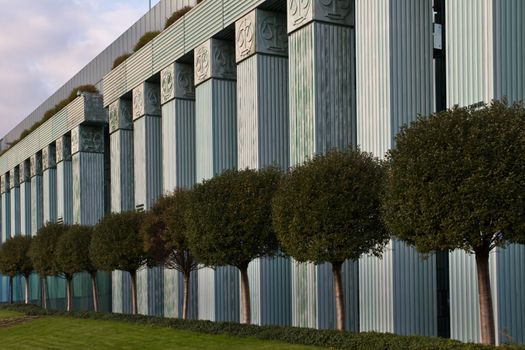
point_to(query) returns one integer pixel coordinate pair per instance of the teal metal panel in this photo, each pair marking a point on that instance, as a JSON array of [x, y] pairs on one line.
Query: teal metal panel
[[65, 191], [178, 137], [415, 297], [88, 188], [509, 292], [275, 287], [15, 211], [122, 170], [304, 299], [50, 195], [37, 204], [25, 208], [6, 216], [227, 291]]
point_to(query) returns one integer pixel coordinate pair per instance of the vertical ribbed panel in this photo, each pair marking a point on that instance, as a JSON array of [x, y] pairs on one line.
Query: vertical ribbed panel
[[139, 160], [509, 50], [172, 306], [6, 216], [206, 294], [275, 291], [122, 184], [37, 204], [227, 291], [155, 295], [375, 292], [510, 289], [415, 298], [50, 195], [373, 75], [15, 211], [142, 292], [65, 191], [247, 113], [304, 289], [25, 208], [469, 51], [88, 188], [178, 137]]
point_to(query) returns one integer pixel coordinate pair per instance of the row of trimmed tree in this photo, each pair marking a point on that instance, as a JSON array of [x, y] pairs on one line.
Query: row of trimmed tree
[[454, 180]]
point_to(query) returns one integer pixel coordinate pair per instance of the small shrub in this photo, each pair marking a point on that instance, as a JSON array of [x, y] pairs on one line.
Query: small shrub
[[146, 38], [120, 59], [176, 16]]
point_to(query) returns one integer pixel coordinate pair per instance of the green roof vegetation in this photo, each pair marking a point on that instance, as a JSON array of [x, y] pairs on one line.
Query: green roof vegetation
[[146, 38]]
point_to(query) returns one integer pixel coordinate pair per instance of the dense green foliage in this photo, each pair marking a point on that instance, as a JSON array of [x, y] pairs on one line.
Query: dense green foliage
[[165, 230], [51, 112], [117, 244], [72, 250], [176, 16], [14, 257], [120, 59], [324, 338], [230, 217], [43, 247], [328, 209], [144, 39], [457, 178]]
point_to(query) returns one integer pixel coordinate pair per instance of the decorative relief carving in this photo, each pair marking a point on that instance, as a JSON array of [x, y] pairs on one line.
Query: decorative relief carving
[[23, 172], [63, 148], [45, 158], [13, 178], [88, 139], [245, 37], [138, 101], [120, 115], [184, 82], [337, 10], [167, 84], [299, 13], [113, 117], [36, 165], [2, 184], [202, 63], [146, 100], [272, 33]]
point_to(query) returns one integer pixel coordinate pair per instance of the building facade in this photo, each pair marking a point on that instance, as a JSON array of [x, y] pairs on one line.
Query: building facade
[[252, 83]]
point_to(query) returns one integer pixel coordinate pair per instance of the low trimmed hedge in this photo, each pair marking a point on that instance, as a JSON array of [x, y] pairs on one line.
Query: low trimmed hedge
[[326, 338]]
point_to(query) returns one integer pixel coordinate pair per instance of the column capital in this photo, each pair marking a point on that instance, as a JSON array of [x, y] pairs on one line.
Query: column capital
[[146, 100], [49, 157], [215, 59], [63, 148], [3, 183], [87, 138], [14, 178], [36, 164], [120, 115], [177, 81], [24, 171], [303, 12], [260, 32]]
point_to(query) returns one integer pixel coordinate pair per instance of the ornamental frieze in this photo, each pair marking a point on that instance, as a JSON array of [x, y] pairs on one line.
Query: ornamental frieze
[[36, 164], [120, 115], [24, 171], [215, 59], [261, 32], [2, 184], [14, 178], [177, 82], [146, 100], [302, 12], [63, 148], [89, 139], [48, 157]]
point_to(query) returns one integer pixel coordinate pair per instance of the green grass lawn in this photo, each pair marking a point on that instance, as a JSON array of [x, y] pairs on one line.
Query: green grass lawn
[[70, 333], [9, 314]]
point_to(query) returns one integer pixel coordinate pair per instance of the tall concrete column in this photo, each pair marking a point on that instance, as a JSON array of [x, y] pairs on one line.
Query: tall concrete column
[[216, 151], [25, 197], [6, 207], [64, 174], [122, 187], [147, 141], [50, 183], [178, 164], [37, 196], [263, 140], [322, 116], [14, 185]]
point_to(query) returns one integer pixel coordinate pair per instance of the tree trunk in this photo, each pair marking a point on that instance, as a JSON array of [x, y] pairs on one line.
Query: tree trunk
[[245, 296], [10, 289], [134, 292], [94, 291], [186, 300], [27, 288], [69, 290], [339, 296], [44, 293], [486, 311]]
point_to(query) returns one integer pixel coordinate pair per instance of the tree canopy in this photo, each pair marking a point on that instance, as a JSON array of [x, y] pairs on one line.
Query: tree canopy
[[72, 250], [42, 249], [456, 180], [14, 257]]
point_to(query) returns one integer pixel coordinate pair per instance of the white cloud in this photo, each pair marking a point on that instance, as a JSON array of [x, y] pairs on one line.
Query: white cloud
[[45, 42]]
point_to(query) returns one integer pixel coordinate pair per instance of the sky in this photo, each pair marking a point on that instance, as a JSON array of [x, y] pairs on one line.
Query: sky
[[43, 43]]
